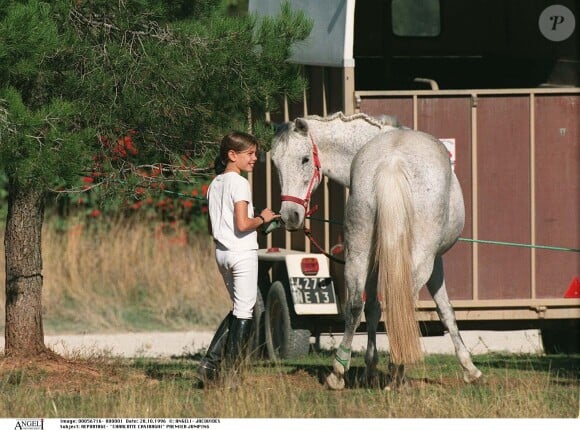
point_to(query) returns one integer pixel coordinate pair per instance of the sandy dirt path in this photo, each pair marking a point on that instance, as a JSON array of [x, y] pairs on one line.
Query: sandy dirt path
[[163, 344]]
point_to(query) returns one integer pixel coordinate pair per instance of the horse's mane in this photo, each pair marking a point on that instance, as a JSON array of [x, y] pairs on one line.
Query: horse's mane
[[381, 121], [282, 130]]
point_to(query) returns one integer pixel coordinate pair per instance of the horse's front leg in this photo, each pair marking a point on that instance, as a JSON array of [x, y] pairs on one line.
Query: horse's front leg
[[436, 286], [354, 279], [341, 363]]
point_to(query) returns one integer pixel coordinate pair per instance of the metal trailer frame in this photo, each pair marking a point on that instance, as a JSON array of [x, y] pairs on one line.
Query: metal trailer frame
[[332, 88]]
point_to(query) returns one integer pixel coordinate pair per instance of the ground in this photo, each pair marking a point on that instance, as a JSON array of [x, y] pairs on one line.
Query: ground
[[55, 373]]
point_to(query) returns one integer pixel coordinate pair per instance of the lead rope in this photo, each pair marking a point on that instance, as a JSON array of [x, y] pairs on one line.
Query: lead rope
[[308, 234]]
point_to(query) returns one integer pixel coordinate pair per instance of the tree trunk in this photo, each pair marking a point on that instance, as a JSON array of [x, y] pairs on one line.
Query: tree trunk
[[24, 336]]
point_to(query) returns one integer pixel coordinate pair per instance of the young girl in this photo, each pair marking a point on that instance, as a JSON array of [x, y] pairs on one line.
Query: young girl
[[233, 227]]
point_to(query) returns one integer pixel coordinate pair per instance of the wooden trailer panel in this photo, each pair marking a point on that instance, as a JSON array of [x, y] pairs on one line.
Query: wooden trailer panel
[[451, 118], [503, 183], [557, 191], [516, 158]]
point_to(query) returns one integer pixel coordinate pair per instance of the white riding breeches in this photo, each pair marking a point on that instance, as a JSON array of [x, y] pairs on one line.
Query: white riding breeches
[[240, 272]]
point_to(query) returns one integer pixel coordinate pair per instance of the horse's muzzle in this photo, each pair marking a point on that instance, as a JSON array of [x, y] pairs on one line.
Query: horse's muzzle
[[292, 219]]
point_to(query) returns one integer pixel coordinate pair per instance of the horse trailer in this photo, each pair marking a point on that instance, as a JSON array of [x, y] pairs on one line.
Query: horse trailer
[[498, 82]]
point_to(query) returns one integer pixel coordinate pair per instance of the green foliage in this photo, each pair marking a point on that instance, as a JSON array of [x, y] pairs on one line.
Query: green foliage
[[28, 36], [41, 141], [275, 36], [80, 81], [173, 76], [39, 147]]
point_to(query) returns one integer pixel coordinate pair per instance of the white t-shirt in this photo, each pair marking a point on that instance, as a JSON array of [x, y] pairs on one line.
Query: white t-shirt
[[223, 192]]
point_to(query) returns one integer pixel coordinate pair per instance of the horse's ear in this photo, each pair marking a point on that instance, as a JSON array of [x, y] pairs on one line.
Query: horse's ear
[[301, 126]]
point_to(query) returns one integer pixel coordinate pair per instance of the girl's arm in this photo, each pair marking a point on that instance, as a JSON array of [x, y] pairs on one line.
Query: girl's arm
[[244, 223]]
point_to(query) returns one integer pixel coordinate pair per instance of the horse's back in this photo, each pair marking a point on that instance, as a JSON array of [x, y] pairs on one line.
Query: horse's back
[[436, 196], [425, 158]]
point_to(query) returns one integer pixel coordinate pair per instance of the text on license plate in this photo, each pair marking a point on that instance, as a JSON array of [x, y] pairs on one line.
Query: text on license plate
[[312, 290]]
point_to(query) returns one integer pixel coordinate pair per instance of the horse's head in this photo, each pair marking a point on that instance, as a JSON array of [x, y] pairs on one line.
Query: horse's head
[[295, 155]]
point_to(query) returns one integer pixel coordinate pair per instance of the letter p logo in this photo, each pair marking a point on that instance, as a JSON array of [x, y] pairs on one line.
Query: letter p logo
[[557, 23], [556, 20]]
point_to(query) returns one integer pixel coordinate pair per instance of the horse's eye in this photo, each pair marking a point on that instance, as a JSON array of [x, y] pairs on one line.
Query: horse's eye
[[305, 160]]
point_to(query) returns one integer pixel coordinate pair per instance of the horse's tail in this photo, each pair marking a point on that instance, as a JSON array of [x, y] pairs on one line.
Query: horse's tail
[[393, 260]]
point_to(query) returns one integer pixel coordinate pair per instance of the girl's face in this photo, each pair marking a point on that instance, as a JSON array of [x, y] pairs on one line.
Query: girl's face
[[243, 161]]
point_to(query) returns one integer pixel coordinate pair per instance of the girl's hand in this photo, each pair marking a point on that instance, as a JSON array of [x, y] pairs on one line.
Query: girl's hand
[[269, 215]]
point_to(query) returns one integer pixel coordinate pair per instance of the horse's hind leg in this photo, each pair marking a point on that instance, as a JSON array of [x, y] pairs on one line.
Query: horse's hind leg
[[372, 317], [396, 375], [436, 286]]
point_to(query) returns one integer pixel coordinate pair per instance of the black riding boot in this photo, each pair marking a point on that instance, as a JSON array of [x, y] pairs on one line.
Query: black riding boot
[[238, 339], [209, 366]]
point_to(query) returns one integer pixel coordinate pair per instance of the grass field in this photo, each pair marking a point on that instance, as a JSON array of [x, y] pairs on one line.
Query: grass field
[[126, 277], [514, 386]]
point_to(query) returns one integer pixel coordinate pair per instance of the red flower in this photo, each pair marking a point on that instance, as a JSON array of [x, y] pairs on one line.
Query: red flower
[[204, 189], [95, 213], [119, 148], [128, 144], [88, 180]]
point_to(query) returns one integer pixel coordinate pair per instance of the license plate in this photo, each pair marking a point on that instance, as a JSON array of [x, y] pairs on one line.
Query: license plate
[[312, 290]]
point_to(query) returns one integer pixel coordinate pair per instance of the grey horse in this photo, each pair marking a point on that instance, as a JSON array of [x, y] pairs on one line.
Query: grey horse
[[404, 210]]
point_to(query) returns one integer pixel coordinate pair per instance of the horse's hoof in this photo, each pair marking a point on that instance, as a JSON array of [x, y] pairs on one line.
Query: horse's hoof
[[370, 379], [472, 376], [333, 382]]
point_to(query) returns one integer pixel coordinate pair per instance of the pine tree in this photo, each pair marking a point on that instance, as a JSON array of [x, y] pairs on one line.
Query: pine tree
[[84, 82]]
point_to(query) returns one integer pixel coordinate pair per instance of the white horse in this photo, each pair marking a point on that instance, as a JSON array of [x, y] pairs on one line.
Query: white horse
[[405, 209]]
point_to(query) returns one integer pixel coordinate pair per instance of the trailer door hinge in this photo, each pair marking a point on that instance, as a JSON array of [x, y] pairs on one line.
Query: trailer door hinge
[[540, 310], [474, 100]]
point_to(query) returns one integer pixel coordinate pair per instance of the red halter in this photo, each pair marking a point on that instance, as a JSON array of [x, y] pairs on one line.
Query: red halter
[[315, 177]]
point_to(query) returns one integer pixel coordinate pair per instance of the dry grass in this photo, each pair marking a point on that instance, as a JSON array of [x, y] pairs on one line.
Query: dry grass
[[127, 277], [514, 387]]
